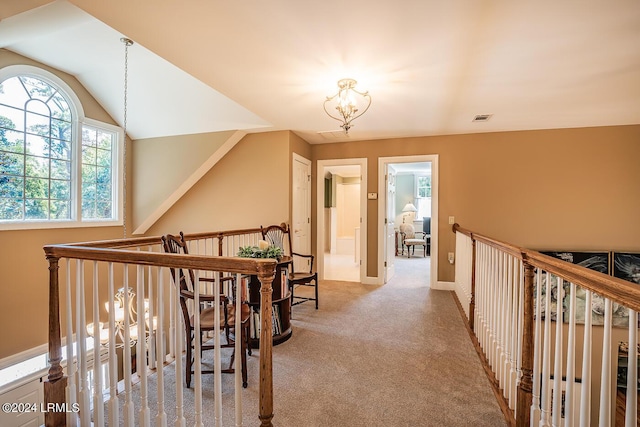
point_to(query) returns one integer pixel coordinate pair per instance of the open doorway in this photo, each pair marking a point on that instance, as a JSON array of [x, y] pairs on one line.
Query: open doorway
[[408, 186], [341, 201]]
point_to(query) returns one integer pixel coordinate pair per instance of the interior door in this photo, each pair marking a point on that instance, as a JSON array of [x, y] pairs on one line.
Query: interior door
[[301, 208], [390, 241]]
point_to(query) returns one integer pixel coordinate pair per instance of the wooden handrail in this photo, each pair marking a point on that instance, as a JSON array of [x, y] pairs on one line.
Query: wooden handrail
[[152, 240], [617, 290], [158, 259]]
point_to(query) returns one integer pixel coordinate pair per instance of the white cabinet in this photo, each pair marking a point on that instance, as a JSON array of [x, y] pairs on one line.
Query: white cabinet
[[26, 394]]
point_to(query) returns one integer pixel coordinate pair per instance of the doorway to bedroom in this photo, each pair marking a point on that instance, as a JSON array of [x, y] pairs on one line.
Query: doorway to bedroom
[[409, 188], [341, 219]]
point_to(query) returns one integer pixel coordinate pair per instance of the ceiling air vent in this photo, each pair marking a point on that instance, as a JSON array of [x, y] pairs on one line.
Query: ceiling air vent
[[482, 118], [333, 134]]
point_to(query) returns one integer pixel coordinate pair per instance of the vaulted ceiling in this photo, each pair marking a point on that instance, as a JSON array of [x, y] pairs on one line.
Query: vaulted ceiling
[[429, 65]]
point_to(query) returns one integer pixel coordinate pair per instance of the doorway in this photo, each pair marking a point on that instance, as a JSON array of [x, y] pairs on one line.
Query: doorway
[[409, 188], [341, 213]]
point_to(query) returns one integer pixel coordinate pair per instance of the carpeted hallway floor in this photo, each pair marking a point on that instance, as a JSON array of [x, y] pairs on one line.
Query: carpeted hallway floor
[[392, 355]]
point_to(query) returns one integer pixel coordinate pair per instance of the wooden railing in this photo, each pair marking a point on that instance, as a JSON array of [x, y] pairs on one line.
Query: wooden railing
[[537, 363], [90, 271]]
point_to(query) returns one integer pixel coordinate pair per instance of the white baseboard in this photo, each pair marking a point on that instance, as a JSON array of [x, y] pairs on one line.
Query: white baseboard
[[369, 280], [444, 286]]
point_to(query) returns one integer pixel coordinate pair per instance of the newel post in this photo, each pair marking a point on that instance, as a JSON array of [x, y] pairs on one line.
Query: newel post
[[472, 303], [525, 389], [54, 387], [266, 275]]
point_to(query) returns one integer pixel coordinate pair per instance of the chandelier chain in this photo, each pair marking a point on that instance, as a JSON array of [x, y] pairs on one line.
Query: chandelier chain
[[127, 42]]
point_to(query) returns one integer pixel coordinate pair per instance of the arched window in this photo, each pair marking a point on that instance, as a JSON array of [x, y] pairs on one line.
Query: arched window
[[50, 173]]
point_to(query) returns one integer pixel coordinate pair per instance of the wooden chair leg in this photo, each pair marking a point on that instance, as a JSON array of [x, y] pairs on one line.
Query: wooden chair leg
[[315, 281], [247, 337], [188, 359], [243, 362]]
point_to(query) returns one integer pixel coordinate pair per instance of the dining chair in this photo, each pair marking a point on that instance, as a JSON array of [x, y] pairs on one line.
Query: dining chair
[[280, 235], [176, 245]]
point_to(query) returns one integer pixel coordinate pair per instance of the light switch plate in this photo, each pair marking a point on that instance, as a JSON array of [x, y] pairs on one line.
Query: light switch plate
[[452, 220]]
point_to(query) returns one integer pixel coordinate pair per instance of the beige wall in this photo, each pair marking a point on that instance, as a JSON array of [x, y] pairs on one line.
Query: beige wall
[[24, 277], [549, 189], [249, 187], [167, 163]]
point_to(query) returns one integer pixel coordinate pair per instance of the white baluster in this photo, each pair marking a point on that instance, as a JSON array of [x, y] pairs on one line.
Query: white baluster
[[482, 312], [545, 417], [114, 406], [197, 333], [499, 369], [128, 403], [161, 417], [72, 397], [537, 350], [520, 318], [98, 402], [81, 347], [508, 324], [178, 342], [585, 389], [605, 373], [152, 332], [505, 321], [557, 363], [490, 302], [571, 358], [144, 414], [477, 319], [513, 332]]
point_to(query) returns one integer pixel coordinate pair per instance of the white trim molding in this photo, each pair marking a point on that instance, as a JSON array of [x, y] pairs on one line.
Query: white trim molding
[[320, 165], [382, 200]]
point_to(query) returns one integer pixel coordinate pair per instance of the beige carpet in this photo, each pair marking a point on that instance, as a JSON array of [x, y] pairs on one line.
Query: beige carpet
[[392, 355]]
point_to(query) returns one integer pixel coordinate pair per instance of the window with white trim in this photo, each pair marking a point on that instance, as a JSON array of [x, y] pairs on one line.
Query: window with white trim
[[51, 174], [423, 196]]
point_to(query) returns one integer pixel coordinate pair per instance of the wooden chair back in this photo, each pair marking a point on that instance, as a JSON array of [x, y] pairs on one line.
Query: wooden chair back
[[278, 235]]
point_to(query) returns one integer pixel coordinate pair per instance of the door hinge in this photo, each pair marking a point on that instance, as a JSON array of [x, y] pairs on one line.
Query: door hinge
[[308, 177], [385, 220], [385, 263]]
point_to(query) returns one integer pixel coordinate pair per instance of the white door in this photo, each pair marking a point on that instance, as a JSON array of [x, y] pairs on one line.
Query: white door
[[301, 210], [390, 241]]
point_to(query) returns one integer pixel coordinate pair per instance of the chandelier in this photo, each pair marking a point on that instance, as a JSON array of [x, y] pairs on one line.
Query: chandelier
[[346, 103], [124, 306]]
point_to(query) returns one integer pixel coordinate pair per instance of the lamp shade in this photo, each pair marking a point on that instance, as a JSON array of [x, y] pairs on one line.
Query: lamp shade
[[409, 208]]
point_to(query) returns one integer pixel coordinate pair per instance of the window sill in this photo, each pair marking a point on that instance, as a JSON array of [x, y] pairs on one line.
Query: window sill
[[28, 225]]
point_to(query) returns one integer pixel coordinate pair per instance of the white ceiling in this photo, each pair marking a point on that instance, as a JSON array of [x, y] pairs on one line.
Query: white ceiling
[[429, 65]]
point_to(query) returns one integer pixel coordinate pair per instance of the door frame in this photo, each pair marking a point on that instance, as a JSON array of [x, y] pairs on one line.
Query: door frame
[[320, 165], [307, 163], [382, 204]]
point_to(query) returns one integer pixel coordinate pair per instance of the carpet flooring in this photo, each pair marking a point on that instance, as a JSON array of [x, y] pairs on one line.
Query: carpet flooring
[[390, 355]]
